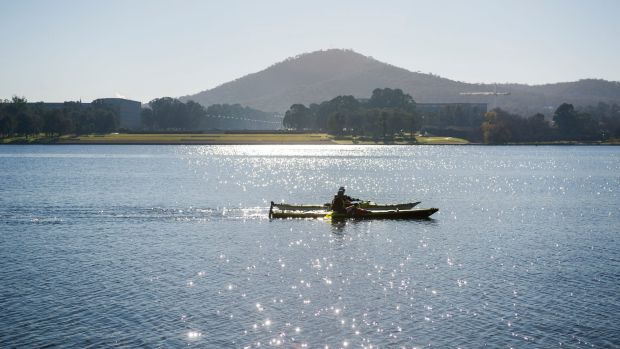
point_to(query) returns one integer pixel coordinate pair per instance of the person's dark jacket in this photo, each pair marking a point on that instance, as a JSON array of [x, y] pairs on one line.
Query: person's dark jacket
[[338, 204]]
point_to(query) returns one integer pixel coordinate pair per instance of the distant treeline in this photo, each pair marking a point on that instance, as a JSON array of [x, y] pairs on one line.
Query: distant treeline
[[387, 112], [18, 117], [172, 114], [592, 123], [390, 112]]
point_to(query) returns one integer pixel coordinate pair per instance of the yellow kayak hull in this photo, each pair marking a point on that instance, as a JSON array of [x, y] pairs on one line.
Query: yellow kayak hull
[[416, 213]]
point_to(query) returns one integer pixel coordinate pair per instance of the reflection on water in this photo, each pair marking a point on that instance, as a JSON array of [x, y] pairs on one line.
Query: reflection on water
[[338, 226], [168, 246]]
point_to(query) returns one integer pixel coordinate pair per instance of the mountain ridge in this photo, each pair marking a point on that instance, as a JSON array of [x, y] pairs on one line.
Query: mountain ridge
[[317, 76]]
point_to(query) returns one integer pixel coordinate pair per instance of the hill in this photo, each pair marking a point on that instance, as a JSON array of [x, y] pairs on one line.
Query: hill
[[318, 76]]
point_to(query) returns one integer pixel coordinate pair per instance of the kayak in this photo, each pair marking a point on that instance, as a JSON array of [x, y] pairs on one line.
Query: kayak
[[415, 213], [367, 205]]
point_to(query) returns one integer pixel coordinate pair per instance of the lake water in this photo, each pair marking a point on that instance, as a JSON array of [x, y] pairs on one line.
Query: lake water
[[170, 246]]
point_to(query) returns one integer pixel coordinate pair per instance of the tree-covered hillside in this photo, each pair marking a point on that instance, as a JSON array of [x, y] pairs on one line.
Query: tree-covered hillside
[[318, 76]]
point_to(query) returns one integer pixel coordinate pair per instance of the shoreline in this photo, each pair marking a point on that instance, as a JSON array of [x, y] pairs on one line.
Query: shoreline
[[255, 139], [314, 143], [248, 138]]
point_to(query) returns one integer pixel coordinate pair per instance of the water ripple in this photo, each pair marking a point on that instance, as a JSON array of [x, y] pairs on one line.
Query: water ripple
[[171, 246]]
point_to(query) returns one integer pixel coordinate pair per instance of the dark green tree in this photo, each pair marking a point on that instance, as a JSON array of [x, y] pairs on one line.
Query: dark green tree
[[496, 127], [298, 117], [565, 119], [538, 129], [391, 98], [147, 118], [8, 124], [342, 104], [336, 123]]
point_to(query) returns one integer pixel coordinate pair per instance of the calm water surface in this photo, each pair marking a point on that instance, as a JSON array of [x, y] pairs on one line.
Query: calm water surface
[[170, 246]]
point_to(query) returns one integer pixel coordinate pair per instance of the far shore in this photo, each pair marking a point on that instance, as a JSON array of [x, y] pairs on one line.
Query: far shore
[[256, 138], [222, 139]]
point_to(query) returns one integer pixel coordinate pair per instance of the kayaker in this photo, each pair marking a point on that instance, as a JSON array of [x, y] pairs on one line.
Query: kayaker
[[342, 204], [339, 203], [347, 198]]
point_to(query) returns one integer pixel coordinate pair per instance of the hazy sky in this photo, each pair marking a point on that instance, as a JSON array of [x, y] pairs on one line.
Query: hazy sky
[[69, 50]]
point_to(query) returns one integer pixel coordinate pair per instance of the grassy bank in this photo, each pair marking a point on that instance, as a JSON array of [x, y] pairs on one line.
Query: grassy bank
[[177, 138], [217, 138], [401, 141]]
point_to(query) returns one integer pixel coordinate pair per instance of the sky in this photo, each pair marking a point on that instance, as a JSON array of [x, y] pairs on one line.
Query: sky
[[59, 50]]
